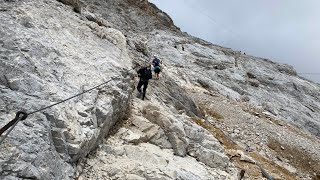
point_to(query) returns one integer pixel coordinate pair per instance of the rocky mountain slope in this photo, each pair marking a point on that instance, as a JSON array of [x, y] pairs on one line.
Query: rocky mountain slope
[[204, 119]]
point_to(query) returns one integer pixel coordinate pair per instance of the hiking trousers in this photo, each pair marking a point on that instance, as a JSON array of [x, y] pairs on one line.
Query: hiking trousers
[[145, 85]]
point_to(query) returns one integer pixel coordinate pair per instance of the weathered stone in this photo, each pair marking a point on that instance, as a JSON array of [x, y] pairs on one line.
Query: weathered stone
[[134, 177], [49, 53], [76, 4], [209, 157], [179, 144], [58, 59], [183, 175]]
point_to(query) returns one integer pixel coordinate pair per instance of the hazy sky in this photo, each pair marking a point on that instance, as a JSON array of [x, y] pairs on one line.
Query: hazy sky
[[286, 31]]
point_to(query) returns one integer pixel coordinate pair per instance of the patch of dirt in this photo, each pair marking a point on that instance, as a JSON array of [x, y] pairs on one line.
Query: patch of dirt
[[299, 159], [216, 132], [252, 171], [259, 126], [211, 112], [259, 113]]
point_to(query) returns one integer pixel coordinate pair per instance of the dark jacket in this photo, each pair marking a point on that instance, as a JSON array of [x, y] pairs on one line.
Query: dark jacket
[[145, 74]]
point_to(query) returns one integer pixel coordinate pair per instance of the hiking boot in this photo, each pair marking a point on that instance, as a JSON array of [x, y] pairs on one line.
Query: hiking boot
[[139, 94]]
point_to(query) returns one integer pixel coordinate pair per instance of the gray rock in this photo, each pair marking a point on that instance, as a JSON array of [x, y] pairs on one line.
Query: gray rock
[[209, 157], [134, 177], [183, 175], [55, 57], [179, 144], [49, 53]]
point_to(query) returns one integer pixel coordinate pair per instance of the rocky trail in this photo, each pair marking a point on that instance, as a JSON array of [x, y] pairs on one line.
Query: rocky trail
[[153, 143], [279, 147], [208, 117], [242, 132]]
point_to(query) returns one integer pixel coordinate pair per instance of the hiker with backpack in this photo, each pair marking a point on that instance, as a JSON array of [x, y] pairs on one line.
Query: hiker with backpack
[[156, 65], [144, 74]]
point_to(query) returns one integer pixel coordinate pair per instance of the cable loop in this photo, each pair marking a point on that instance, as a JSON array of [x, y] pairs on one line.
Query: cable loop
[[24, 115]]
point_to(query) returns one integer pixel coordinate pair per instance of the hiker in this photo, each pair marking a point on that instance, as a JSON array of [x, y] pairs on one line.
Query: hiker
[[156, 65], [145, 74]]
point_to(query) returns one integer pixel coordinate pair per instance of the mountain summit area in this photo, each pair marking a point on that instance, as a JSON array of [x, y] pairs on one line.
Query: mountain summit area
[[212, 114]]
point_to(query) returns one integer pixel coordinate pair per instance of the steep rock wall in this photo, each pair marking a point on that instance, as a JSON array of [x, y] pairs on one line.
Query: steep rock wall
[[48, 53]]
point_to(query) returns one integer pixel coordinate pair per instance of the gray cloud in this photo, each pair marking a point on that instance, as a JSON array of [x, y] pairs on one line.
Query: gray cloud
[[286, 31]]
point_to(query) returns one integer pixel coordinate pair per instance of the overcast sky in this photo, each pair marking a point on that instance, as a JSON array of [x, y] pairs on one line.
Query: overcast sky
[[286, 31]]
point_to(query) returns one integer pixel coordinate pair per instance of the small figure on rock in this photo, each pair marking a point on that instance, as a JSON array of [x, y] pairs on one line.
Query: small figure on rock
[[156, 65], [144, 74]]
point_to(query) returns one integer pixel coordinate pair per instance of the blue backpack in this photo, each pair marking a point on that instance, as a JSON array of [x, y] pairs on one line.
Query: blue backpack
[[156, 62]]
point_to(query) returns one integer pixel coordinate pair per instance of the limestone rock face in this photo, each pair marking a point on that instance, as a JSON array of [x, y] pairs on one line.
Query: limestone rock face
[[272, 87], [49, 53], [154, 145], [52, 50]]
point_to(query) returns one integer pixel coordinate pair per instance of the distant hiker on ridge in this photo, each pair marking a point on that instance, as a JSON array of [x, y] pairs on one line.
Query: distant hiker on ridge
[[156, 65], [145, 74]]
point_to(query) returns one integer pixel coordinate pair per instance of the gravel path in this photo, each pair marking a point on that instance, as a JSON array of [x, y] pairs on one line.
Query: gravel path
[[256, 131]]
